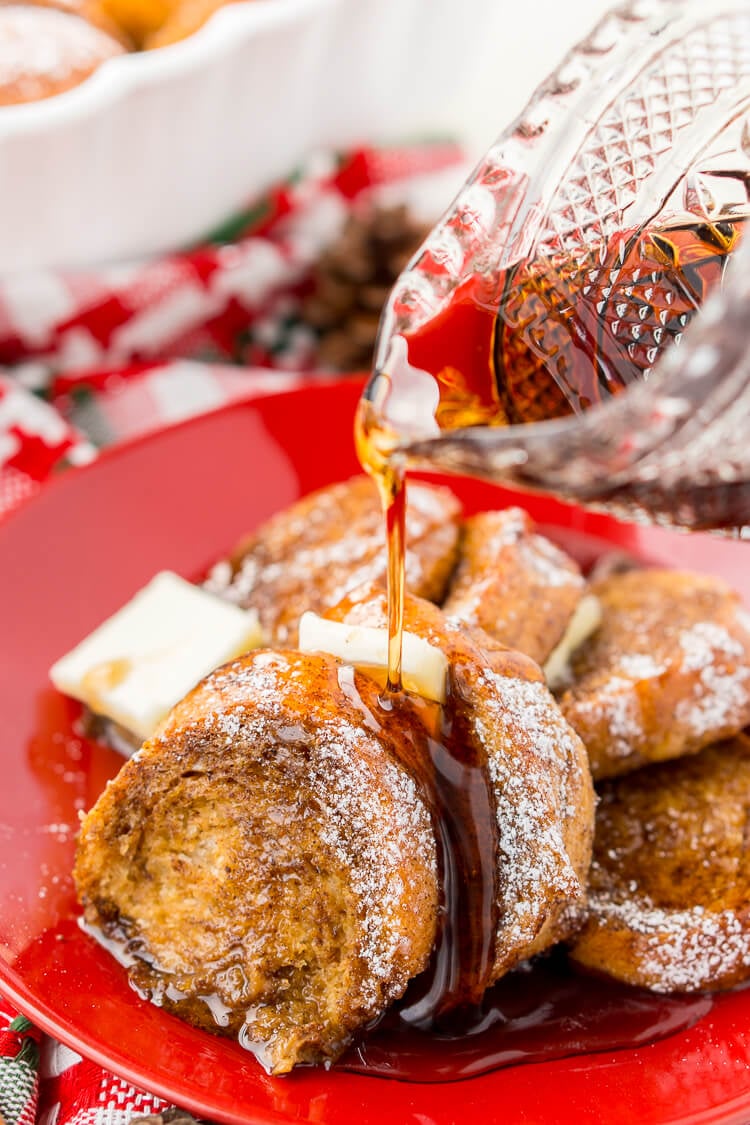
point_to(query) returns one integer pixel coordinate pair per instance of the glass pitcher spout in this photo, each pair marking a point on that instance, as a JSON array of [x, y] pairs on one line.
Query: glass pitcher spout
[[579, 320]]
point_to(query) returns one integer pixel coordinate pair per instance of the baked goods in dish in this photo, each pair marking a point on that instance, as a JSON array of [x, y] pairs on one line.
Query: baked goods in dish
[[183, 19], [42, 55], [513, 583], [666, 673], [670, 878], [274, 862], [296, 850], [45, 52], [93, 11], [309, 555]]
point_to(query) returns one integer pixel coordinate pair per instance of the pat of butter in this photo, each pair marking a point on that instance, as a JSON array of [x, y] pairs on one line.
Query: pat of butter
[[141, 661], [424, 668], [585, 620]]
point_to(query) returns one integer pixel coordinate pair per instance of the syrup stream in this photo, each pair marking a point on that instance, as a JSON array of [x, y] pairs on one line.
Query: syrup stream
[[393, 498], [449, 1025], [454, 780]]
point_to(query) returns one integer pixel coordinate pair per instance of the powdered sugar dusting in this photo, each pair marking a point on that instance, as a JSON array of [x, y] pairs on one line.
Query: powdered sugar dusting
[[515, 584], [722, 689], [641, 665], [677, 949], [618, 707], [41, 43], [314, 553], [703, 642], [352, 806], [542, 558], [349, 803], [534, 803]]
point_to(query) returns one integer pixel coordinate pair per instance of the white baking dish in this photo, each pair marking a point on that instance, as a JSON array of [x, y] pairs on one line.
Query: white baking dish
[[154, 149]]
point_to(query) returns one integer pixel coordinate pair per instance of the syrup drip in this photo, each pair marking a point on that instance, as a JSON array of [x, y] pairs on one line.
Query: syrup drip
[[393, 492], [545, 339], [454, 781], [450, 1026]]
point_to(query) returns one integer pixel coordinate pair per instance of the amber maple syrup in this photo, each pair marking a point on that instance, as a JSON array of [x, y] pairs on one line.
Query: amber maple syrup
[[450, 768], [550, 337]]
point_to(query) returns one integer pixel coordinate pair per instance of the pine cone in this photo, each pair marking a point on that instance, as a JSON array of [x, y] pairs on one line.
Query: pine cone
[[171, 1116], [353, 280]]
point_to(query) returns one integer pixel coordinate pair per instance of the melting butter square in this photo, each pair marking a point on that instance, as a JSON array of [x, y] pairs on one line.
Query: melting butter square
[[138, 663]]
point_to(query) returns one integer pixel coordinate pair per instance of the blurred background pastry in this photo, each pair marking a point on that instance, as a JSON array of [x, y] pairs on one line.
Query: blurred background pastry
[[92, 11], [181, 19], [45, 52], [138, 18]]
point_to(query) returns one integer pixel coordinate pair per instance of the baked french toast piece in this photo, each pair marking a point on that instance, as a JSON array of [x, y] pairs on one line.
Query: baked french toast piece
[[266, 861], [669, 890], [537, 765], [513, 583], [666, 673], [310, 554]]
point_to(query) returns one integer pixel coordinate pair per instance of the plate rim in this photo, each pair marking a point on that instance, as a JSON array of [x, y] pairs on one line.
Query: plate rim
[[16, 990]]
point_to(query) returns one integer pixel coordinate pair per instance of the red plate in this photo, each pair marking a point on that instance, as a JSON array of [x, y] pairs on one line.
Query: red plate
[[70, 558]]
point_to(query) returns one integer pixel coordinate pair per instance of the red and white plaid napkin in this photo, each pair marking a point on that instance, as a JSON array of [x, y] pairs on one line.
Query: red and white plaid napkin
[[88, 359]]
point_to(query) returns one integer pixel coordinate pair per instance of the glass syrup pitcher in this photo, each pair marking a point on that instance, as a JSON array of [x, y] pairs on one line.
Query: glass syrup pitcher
[[579, 320]]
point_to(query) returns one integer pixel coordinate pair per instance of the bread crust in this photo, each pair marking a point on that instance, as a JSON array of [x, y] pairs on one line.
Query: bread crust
[[666, 673], [670, 879], [309, 555], [544, 799], [513, 583]]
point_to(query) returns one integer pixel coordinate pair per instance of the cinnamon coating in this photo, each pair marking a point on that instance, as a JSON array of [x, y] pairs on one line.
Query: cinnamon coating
[[666, 673], [309, 555], [670, 879], [514, 583]]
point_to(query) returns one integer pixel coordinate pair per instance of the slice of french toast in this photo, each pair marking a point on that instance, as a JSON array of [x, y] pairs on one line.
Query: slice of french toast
[[666, 673], [312, 553], [669, 888], [512, 582]]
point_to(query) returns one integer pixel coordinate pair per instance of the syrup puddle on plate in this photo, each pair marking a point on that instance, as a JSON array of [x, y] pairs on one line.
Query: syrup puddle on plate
[[537, 1013]]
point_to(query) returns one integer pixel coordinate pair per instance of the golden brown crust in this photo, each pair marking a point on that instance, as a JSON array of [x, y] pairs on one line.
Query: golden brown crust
[[543, 794], [270, 853], [46, 52], [137, 19], [513, 583], [670, 880], [309, 555], [666, 673]]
